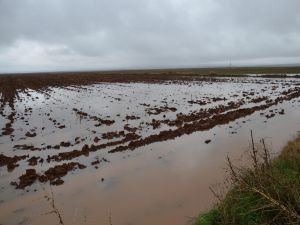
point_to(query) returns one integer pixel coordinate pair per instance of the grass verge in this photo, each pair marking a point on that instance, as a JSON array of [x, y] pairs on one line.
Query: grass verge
[[267, 192]]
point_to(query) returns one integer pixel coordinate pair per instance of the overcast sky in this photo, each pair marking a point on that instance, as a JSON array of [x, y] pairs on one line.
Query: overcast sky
[[43, 35]]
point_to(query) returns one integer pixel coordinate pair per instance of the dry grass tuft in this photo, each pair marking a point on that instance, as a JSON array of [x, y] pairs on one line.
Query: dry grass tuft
[[268, 192]]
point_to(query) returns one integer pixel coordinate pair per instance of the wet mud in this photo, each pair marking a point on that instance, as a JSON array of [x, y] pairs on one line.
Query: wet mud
[[53, 174]]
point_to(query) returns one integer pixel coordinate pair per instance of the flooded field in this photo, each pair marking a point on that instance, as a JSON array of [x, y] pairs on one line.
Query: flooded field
[[131, 151]]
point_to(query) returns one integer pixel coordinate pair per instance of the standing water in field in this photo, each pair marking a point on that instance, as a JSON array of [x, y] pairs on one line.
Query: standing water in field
[[132, 152]]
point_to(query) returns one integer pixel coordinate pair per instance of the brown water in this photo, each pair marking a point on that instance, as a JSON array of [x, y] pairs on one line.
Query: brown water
[[162, 183]]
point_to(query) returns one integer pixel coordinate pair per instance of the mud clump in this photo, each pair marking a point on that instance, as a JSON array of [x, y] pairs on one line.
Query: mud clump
[[105, 122], [155, 124], [95, 162], [96, 139], [26, 179], [197, 102], [53, 175], [132, 117], [28, 134], [269, 116], [207, 141], [259, 99], [159, 110], [8, 130], [99, 121], [98, 161], [112, 135], [130, 129], [33, 161], [87, 149], [217, 99], [80, 113], [11, 162], [27, 147], [65, 144]]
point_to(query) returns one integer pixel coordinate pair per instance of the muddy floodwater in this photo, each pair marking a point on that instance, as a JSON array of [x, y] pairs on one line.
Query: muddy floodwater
[[132, 152]]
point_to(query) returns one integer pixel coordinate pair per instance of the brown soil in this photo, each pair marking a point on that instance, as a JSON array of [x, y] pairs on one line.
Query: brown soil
[[259, 99], [87, 149], [204, 119], [186, 124], [159, 110], [10, 162], [99, 121], [206, 124], [130, 129], [8, 130], [26, 179], [28, 134], [98, 161], [12, 85], [33, 161], [53, 175], [132, 117], [112, 135]]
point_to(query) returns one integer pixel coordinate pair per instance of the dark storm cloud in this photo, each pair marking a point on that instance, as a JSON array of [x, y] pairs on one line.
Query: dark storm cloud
[[91, 34]]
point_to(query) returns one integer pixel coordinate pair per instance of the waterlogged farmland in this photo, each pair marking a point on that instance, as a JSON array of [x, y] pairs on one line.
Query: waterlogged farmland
[[131, 151]]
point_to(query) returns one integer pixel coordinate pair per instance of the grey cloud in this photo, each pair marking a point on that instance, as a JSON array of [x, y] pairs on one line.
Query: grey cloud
[[91, 34]]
